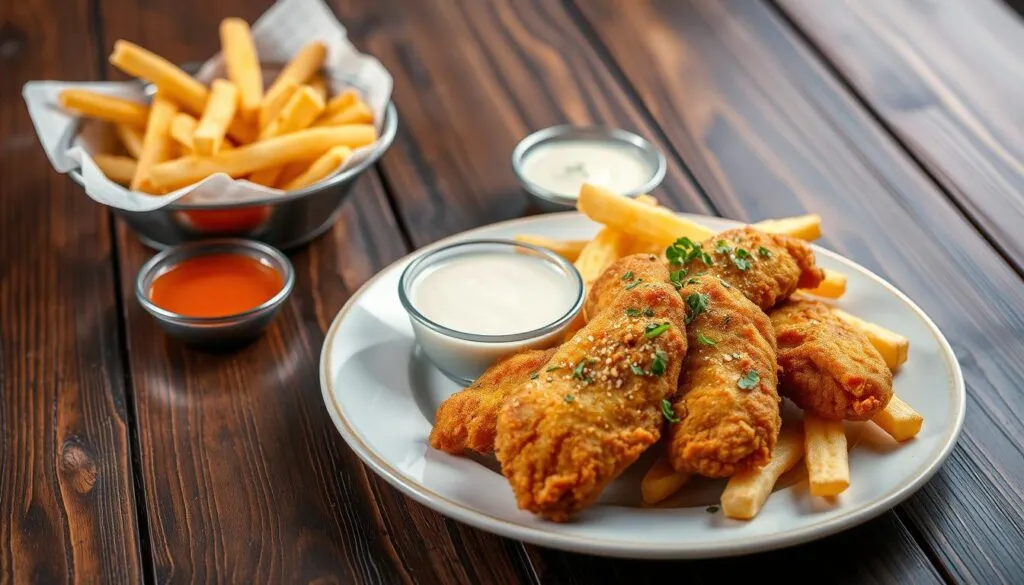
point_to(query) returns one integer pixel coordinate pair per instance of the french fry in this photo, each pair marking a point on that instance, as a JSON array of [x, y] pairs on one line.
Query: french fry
[[357, 113], [340, 102], [321, 168], [250, 158], [899, 419], [172, 82], [272, 104], [243, 66], [303, 66], [658, 225], [292, 170], [894, 347], [104, 107], [828, 463], [568, 249], [131, 138], [300, 111], [302, 108], [220, 110], [805, 227], [661, 481], [318, 85], [119, 169], [607, 246], [183, 126], [833, 287], [747, 491], [156, 142]]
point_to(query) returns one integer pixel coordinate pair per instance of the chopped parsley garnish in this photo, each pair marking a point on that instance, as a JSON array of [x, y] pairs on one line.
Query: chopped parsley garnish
[[577, 372], [723, 247], [684, 250], [659, 363], [634, 284], [631, 312], [628, 276], [764, 252], [724, 284], [705, 340], [677, 276], [742, 259], [648, 312], [711, 509], [553, 368], [698, 303], [667, 412], [749, 381], [654, 330], [637, 370], [534, 376], [569, 398]]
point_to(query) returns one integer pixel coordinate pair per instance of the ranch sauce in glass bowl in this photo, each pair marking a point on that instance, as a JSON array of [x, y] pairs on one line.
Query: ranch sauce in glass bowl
[[554, 162], [474, 302]]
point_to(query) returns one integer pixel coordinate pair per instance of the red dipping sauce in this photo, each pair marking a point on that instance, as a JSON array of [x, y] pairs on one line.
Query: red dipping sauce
[[217, 285]]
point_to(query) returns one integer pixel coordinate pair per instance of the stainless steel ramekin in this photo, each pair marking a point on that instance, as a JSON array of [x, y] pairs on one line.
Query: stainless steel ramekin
[[548, 200], [215, 332]]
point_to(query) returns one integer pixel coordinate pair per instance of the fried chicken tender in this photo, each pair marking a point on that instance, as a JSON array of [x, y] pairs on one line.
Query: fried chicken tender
[[467, 419], [562, 437], [728, 405], [778, 264], [829, 367]]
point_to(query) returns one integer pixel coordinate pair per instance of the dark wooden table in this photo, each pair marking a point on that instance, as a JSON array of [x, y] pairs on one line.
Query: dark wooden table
[[125, 457]]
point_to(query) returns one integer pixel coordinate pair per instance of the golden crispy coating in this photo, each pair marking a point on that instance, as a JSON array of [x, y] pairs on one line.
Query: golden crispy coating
[[828, 366], [467, 419], [563, 437], [728, 406], [776, 265]]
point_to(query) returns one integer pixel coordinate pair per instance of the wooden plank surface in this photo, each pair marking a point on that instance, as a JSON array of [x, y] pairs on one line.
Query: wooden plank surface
[[67, 509], [246, 478], [947, 79], [768, 132], [471, 80], [542, 72]]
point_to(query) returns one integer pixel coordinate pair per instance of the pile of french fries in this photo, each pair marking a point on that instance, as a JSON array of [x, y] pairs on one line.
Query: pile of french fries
[[640, 225], [287, 135]]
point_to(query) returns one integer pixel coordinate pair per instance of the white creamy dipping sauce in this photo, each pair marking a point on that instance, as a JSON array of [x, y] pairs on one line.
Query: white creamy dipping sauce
[[563, 166], [493, 294]]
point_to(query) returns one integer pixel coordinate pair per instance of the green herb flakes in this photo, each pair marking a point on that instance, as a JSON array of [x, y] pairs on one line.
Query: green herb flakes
[[764, 252], [749, 381], [668, 412], [697, 303], [660, 362], [654, 330], [705, 340]]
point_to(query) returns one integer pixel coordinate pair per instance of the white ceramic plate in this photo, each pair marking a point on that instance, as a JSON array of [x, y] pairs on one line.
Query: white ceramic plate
[[382, 395]]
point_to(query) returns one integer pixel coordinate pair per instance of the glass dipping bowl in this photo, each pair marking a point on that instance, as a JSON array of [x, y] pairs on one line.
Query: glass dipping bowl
[[463, 356]]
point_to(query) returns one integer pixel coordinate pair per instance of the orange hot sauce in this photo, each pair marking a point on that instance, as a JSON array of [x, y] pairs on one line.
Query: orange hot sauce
[[217, 285]]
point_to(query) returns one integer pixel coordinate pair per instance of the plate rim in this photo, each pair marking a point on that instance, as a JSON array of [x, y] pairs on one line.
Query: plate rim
[[623, 548]]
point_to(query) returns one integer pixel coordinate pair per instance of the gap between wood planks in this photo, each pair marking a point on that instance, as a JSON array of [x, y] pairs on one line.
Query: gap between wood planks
[[148, 569]]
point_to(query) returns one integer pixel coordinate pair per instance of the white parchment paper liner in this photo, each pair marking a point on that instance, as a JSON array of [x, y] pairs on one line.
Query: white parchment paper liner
[[282, 30]]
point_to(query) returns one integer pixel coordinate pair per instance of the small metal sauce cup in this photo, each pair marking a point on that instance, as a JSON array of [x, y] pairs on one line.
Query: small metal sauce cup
[[215, 332], [548, 200], [463, 356]]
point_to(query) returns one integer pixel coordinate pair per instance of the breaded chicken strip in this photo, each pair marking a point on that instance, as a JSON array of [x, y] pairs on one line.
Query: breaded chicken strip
[[766, 268], [829, 367], [467, 419], [728, 406], [597, 406]]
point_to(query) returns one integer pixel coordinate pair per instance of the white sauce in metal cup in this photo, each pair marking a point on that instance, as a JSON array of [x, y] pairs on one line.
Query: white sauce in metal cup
[[562, 166]]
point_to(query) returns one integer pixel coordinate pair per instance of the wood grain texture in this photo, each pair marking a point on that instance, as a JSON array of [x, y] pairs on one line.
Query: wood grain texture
[[67, 510], [768, 132], [947, 79], [471, 80], [246, 478]]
